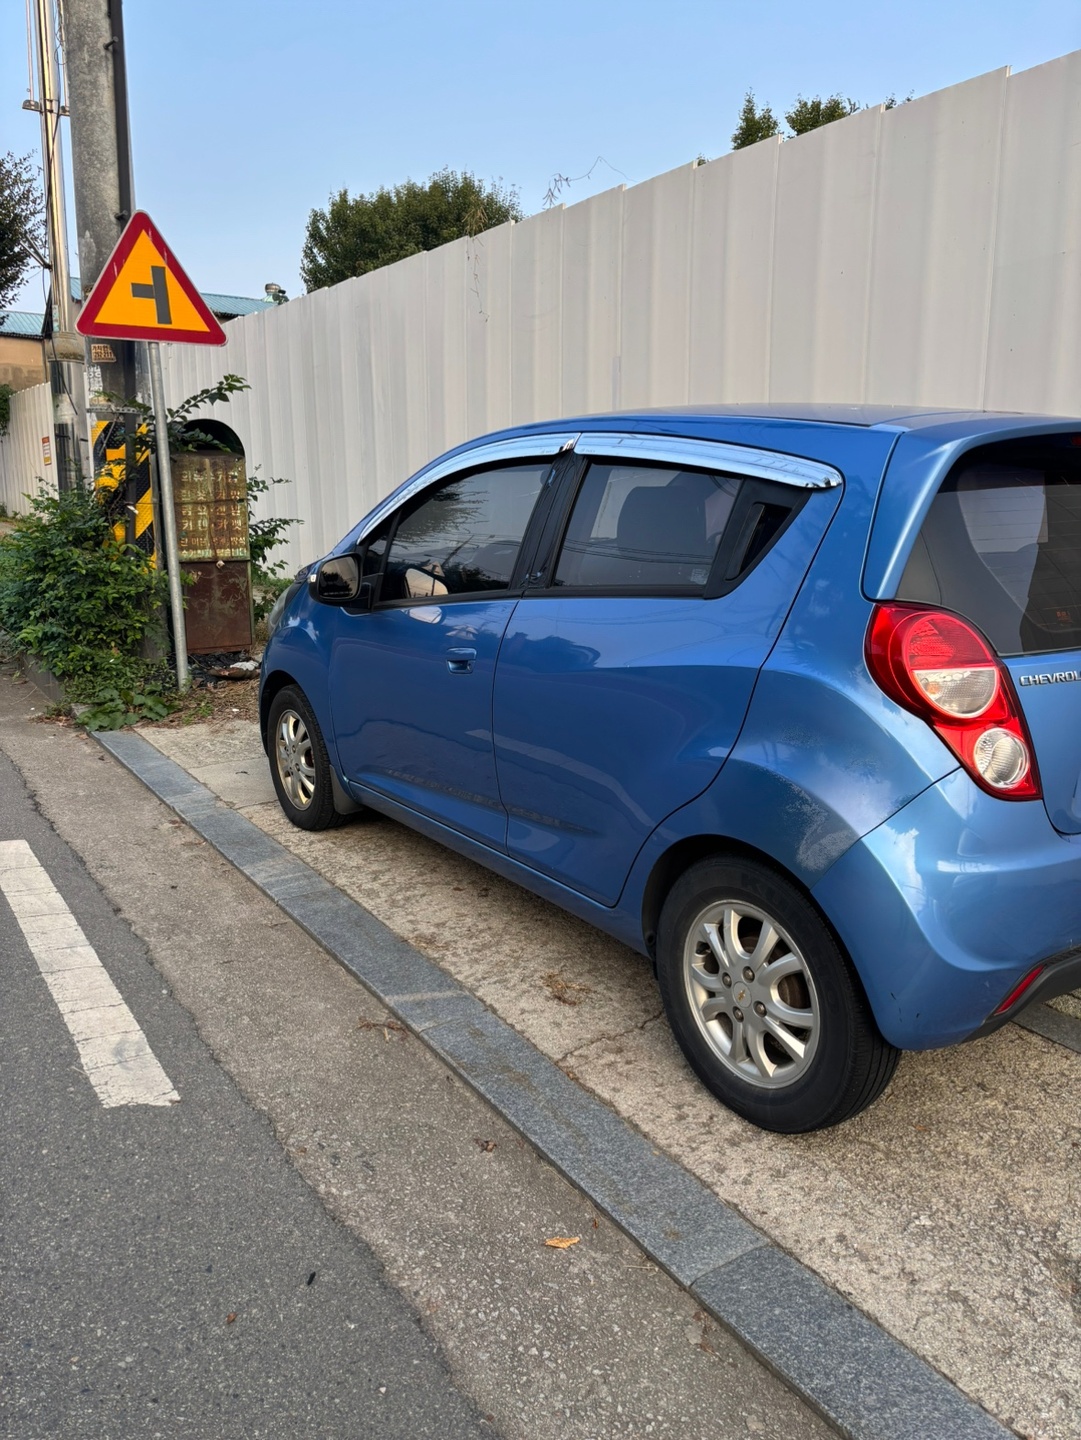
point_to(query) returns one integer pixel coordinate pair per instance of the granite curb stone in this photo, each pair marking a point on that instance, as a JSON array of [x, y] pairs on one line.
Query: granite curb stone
[[863, 1381]]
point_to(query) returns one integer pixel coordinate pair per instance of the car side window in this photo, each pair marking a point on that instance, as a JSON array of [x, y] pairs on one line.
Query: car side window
[[463, 537], [644, 527]]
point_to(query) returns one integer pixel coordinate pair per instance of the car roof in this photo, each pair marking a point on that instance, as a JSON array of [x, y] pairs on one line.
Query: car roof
[[891, 417], [856, 439]]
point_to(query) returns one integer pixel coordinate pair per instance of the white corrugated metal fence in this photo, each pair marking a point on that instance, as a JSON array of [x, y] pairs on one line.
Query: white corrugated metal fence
[[928, 255], [28, 450]]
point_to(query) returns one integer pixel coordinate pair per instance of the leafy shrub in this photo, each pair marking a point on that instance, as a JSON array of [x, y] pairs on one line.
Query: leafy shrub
[[269, 577], [85, 604]]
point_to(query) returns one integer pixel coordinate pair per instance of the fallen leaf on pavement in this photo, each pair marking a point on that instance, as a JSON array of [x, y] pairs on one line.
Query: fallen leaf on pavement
[[563, 1242], [231, 1317], [387, 1026]]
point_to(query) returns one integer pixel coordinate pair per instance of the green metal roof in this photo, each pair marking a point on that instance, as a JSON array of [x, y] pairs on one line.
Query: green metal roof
[[225, 307], [21, 322]]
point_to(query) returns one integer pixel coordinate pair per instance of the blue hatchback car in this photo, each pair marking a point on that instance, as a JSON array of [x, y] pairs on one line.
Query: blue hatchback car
[[779, 697]]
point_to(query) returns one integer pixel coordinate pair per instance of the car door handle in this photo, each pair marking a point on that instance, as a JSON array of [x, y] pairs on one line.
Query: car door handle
[[460, 662]]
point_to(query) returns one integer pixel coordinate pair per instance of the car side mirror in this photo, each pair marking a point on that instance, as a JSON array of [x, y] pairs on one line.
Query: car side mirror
[[337, 581]]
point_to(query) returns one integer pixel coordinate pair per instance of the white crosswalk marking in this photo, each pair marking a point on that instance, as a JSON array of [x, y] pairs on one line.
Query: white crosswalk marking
[[114, 1052]]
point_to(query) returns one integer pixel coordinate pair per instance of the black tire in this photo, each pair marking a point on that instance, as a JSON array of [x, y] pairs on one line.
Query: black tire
[[299, 763], [796, 1047]]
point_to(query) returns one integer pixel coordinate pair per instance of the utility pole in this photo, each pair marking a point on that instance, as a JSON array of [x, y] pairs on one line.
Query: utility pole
[[62, 346], [101, 167], [104, 203]]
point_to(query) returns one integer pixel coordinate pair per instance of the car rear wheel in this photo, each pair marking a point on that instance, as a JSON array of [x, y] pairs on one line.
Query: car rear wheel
[[763, 1002], [299, 764]]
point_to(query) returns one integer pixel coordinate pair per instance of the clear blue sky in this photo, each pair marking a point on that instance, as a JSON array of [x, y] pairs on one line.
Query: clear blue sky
[[247, 113]]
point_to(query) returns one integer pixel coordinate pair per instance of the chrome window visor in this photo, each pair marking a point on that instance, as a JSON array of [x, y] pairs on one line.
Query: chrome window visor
[[711, 455], [670, 449], [521, 447]]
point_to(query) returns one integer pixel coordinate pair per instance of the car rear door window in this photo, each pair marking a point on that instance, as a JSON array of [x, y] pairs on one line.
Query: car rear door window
[[643, 527], [1001, 545], [462, 538]]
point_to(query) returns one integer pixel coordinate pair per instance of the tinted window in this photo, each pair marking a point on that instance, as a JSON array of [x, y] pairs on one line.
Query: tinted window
[[1002, 545], [642, 527], [463, 537]]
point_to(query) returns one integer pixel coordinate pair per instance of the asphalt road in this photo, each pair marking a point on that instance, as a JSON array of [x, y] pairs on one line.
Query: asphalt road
[[166, 1272], [312, 1137]]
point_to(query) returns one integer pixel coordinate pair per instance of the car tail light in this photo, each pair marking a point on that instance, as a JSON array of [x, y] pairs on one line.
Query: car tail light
[[941, 668]]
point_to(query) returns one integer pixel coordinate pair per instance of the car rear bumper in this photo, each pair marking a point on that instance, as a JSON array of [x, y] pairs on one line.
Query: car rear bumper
[[949, 904], [1060, 974]]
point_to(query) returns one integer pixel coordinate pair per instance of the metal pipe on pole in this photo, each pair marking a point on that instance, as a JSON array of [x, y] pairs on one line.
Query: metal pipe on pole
[[53, 164], [168, 514], [58, 326]]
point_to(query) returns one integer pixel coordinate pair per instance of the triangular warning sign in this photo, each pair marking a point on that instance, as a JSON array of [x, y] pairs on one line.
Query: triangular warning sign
[[143, 294]]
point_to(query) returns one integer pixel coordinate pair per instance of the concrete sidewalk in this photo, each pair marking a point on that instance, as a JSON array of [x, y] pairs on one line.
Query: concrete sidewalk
[[948, 1212]]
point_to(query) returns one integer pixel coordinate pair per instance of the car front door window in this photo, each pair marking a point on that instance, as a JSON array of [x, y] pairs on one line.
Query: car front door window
[[464, 537]]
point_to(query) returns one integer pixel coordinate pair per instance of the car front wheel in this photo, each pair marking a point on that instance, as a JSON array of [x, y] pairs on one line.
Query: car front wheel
[[763, 1002], [299, 763]]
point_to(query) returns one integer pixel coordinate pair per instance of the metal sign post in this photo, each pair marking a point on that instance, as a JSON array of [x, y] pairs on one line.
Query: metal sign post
[[143, 293], [168, 513]]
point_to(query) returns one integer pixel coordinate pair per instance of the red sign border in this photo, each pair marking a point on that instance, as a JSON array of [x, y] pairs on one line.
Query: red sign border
[[87, 322]]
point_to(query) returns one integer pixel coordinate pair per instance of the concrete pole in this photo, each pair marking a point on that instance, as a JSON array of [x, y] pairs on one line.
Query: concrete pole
[[168, 514], [101, 162]]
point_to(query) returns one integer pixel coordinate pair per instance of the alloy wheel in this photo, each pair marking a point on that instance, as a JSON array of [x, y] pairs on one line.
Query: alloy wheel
[[751, 994], [294, 758]]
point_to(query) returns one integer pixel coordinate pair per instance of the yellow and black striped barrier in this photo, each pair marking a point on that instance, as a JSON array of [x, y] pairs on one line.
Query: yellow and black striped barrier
[[131, 498]]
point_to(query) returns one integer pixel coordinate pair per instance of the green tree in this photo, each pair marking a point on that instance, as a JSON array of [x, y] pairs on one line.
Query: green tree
[[358, 233], [810, 114], [22, 223], [754, 124], [761, 124]]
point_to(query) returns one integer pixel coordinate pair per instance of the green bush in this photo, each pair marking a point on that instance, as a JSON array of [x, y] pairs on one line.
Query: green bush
[[85, 605], [269, 577]]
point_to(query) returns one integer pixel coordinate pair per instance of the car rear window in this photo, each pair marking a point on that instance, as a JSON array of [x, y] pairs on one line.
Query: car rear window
[[1001, 545]]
